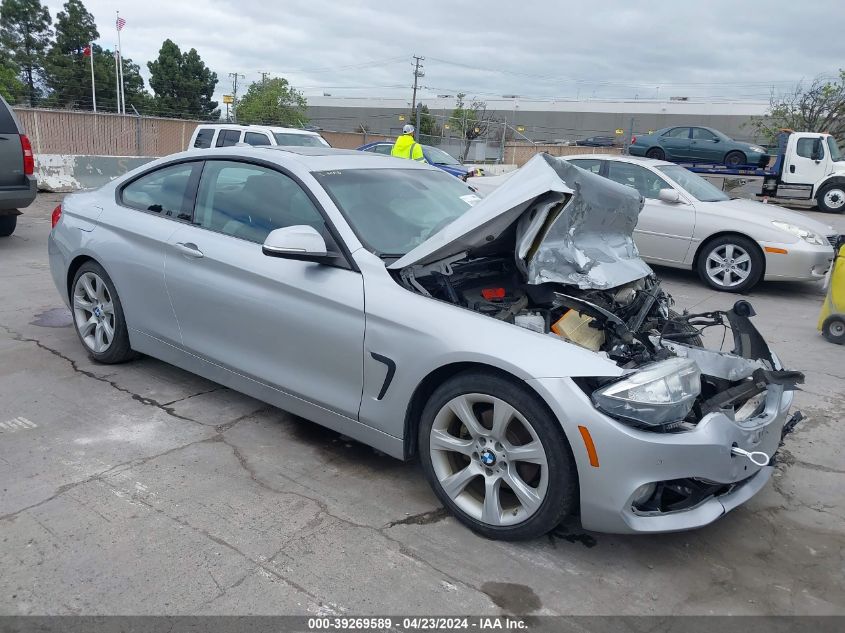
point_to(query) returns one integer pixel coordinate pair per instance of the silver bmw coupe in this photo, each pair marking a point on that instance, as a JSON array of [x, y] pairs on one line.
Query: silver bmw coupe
[[516, 343]]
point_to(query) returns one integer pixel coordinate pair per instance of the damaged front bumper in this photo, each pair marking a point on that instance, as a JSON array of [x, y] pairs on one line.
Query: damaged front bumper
[[700, 463]]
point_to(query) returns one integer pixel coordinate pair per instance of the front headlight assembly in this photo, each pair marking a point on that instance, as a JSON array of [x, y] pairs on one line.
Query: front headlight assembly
[[804, 234], [655, 395]]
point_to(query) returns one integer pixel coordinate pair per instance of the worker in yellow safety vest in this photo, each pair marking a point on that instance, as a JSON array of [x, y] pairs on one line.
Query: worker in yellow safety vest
[[406, 147]]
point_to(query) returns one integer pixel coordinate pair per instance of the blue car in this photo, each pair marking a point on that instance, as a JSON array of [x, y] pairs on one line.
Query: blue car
[[433, 156]]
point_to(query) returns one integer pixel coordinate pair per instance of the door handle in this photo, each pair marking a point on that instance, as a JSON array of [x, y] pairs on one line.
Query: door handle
[[188, 249], [792, 169]]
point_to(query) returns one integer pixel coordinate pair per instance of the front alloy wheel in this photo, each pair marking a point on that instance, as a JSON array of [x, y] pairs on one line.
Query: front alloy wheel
[[731, 263], [500, 462]]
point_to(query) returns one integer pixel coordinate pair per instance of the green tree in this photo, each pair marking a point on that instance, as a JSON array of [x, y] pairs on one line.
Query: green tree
[[182, 83], [25, 34], [272, 102], [819, 107], [11, 87], [67, 70], [469, 122], [428, 127]]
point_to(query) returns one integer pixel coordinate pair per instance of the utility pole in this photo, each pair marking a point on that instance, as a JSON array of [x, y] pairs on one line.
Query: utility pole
[[418, 73], [263, 76], [235, 77]]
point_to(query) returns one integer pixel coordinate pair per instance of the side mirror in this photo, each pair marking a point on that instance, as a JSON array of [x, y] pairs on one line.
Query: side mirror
[[669, 195], [301, 242], [717, 140], [818, 152]]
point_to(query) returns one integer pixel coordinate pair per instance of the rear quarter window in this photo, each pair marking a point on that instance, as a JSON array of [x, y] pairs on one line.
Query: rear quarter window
[[8, 124], [204, 138]]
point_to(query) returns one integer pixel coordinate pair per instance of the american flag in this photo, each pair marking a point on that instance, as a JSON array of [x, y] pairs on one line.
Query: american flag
[[120, 23]]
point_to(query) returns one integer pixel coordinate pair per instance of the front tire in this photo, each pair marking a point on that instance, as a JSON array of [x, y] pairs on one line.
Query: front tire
[[833, 329], [98, 315], [735, 159], [7, 225], [496, 457], [831, 198], [730, 263], [656, 153]]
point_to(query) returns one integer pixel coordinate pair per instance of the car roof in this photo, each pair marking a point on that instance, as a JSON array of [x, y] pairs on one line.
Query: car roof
[[257, 128], [620, 158], [311, 158]]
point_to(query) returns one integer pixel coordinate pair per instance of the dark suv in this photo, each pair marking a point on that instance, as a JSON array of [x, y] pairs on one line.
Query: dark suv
[[17, 167]]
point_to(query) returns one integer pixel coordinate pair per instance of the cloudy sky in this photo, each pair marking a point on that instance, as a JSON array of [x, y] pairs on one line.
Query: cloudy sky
[[718, 49]]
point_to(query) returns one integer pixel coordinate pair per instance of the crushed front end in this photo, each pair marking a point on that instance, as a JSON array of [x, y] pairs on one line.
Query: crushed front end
[[690, 428]]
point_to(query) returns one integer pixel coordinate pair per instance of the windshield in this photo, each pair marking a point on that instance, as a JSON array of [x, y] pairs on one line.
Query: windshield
[[394, 210], [439, 157], [299, 140], [835, 152], [694, 184]]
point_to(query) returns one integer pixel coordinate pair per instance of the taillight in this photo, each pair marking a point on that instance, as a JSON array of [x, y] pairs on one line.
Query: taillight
[[28, 158], [57, 214], [633, 140]]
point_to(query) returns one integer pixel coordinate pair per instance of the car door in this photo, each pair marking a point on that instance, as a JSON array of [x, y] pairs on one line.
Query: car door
[[807, 165], [664, 230], [676, 143], [150, 209], [706, 146], [294, 325]]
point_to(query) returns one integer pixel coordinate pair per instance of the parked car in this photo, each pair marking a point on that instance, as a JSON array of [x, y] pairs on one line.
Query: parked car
[[685, 144], [507, 341], [597, 141], [227, 134], [732, 243], [433, 156], [18, 185]]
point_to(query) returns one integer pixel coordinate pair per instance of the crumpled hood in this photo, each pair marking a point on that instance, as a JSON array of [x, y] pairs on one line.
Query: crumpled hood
[[574, 227]]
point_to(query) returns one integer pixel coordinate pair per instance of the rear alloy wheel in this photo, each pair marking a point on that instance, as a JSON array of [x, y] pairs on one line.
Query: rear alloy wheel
[[833, 329], [499, 462], [735, 159], [98, 315], [656, 153], [7, 225], [731, 263], [832, 199]]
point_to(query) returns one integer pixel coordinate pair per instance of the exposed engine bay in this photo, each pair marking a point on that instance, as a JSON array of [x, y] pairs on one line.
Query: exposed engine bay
[[552, 251]]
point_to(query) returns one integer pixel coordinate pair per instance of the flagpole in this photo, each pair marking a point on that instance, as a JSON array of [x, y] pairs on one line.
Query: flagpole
[[93, 87], [120, 66], [116, 80]]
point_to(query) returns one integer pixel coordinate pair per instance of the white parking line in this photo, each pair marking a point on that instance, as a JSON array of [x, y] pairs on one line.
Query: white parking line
[[17, 424]]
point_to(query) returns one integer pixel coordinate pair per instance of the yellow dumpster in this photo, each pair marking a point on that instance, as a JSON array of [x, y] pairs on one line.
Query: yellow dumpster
[[832, 318]]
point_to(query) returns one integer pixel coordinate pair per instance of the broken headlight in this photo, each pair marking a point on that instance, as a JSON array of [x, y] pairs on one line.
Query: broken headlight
[[655, 395]]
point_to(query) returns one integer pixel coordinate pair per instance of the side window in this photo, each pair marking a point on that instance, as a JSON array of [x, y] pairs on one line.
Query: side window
[[256, 138], [227, 138], [647, 183], [700, 134], [588, 164], [204, 137], [383, 148], [248, 201], [809, 147], [678, 132], [163, 191]]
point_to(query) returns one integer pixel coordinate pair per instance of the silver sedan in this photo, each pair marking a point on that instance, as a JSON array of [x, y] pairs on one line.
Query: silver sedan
[[517, 344], [732, 243]]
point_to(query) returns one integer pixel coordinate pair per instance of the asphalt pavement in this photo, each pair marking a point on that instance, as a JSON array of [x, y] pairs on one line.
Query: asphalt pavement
[[142, 489]]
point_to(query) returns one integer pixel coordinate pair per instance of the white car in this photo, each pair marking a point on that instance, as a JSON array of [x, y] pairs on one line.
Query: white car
[[686, 222], [229, 134]]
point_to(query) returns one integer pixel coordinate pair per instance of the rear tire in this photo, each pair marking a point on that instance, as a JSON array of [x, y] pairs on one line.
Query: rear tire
[[7, 225], [98, 315], [730, 263], [735, 159], [831, 198], [833, 329], [496, 457], [656, 153]]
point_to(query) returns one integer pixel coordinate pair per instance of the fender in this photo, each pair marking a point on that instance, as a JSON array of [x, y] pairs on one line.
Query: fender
[[835, 178]]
